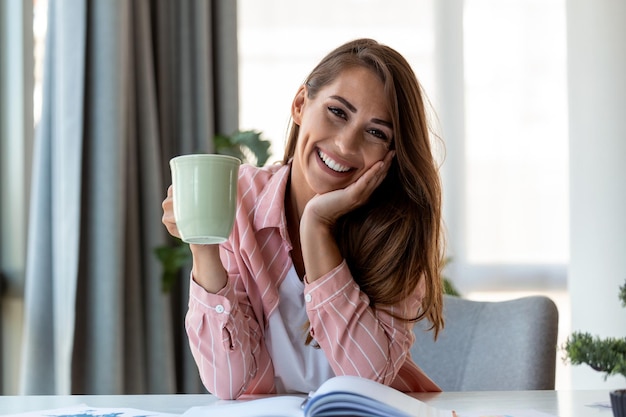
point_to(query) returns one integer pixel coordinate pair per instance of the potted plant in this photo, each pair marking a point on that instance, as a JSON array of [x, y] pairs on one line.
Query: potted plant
[[249, 147], [606, 355]]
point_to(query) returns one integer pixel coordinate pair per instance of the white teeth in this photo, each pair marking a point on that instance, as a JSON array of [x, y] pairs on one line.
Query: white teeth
[[330, 163]]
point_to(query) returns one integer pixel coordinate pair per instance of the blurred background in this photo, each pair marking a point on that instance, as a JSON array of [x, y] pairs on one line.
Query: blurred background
[[527, 96]]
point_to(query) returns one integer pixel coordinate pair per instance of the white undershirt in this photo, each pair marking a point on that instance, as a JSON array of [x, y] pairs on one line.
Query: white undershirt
[[297, 367]]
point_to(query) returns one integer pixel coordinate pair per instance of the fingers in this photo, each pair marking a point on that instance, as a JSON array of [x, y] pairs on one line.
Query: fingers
[[371, 179], [168, 218], [330, 206]]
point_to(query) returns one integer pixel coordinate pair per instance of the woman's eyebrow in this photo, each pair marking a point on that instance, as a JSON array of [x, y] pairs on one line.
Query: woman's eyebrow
[[383, 122], [345, 103]]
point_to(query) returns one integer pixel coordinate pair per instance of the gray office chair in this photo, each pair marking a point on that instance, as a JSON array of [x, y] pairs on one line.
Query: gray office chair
[[490, 346]]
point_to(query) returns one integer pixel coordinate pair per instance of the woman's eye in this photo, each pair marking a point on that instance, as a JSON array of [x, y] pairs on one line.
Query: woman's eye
[[337, 112], [378, 134]]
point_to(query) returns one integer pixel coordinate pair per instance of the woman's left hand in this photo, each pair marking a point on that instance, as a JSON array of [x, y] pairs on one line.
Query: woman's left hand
[[328, 207]]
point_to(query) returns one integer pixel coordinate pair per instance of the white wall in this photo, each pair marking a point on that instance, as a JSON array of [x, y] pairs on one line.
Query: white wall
[[597, 106]]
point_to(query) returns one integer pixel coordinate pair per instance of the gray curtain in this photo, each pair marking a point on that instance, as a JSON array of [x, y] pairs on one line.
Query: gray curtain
[[128, 84]]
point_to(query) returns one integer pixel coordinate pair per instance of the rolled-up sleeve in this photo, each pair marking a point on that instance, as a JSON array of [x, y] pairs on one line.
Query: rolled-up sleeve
[[226, 342]]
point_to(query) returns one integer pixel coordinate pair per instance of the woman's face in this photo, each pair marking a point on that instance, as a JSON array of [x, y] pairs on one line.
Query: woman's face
[[344, 130]]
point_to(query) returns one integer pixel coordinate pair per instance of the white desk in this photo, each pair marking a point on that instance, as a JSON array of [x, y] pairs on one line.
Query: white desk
[[559, 403]]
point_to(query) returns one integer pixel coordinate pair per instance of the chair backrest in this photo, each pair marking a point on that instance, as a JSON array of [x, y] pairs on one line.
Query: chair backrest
[[505, 345]]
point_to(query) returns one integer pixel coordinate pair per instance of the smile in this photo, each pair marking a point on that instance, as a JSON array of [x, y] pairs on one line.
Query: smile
[[332, 164]]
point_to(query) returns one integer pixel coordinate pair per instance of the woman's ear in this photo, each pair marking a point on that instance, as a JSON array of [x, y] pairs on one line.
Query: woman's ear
[[297, 106]]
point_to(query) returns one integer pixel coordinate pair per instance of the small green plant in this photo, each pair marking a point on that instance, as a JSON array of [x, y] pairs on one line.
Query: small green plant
[[249, 147], [173, 258], [448, 287], [606, 355]]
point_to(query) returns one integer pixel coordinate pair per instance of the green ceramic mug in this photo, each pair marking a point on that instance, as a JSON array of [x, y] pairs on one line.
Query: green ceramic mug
[[205, 196]]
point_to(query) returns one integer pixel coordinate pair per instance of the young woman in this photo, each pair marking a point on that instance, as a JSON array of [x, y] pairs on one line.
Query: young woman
[[335, 252]]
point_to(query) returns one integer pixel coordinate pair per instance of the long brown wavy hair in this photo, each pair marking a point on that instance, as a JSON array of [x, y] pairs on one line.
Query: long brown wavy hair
[[395, 239]]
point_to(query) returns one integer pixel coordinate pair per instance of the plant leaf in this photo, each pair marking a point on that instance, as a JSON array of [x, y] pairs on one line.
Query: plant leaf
[[606, 355], [172, 258], [252, 140]]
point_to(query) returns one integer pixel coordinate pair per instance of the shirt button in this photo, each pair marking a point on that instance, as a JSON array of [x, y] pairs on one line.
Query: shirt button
[[308, 298], [219, 309]]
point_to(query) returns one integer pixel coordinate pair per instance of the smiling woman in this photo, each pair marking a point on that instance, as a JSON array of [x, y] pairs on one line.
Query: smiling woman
[[316, 264]]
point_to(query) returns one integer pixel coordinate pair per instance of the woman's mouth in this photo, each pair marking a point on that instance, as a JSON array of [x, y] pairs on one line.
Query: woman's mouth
[[331, 163]]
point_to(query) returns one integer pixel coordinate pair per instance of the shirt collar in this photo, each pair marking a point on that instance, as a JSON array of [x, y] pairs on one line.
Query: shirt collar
[[270, 206]]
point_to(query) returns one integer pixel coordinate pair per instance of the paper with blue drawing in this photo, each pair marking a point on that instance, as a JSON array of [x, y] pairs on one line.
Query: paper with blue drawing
[[83, 410]]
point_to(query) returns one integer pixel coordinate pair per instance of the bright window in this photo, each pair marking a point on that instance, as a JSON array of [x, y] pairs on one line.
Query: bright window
[[516, 132], [512, 215]]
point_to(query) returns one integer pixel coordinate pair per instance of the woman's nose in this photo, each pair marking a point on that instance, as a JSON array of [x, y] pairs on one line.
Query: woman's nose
[[348, 141]]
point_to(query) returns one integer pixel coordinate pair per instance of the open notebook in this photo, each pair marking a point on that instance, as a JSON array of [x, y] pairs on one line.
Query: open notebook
[[339, 396]]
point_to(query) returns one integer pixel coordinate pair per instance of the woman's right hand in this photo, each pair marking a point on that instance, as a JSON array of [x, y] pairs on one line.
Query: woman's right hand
[[168, 218]]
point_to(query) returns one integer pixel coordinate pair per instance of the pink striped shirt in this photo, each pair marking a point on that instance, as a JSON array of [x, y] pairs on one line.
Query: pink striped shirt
[[226, 329]]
